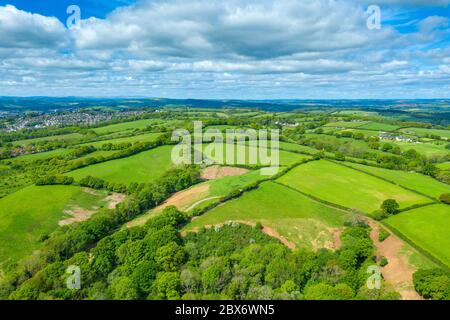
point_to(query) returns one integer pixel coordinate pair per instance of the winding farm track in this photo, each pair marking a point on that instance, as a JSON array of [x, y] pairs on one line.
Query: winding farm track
[[398, 271]]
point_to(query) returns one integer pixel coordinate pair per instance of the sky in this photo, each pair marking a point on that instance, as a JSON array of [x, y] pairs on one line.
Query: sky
[[234, 49]]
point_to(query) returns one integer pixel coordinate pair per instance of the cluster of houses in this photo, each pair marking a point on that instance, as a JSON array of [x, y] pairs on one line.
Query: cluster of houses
[[394, 137]]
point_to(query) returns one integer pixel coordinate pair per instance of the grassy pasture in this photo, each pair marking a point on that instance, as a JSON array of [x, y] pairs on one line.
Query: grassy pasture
[[300, 220], [346, 124], [40, 155], [422, 132], [65, 137], [138, 138], [347, 187], [133, 125], [376, 126], [427, 149], [286, 158], [418, 182], [428, 227], [146, 166], [34, 211], [444, 165]]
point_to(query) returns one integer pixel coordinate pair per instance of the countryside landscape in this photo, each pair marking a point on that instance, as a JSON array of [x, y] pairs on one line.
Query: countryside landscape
[[185, 153], [355, 188]]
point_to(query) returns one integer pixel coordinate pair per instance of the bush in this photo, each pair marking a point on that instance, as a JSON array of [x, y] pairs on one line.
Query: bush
[[383, 235], [445, 198], [379, 215], [383, 261]]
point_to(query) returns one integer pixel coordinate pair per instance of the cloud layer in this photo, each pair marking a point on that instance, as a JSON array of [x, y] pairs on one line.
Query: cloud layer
[[233, 49]]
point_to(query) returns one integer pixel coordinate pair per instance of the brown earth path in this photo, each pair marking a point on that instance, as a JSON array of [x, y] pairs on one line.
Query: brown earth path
[[398, 271]]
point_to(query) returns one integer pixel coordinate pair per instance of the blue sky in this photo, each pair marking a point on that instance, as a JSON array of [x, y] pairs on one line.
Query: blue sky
[[234, 49]]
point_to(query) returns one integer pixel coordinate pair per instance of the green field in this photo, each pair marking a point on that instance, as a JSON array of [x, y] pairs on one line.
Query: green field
[[379, 126], [444, 165], [297, 147], [347, 187], [286, 158], [143, 167], [40, 155], [65, 137], [138, 138], [427, 149], [428, 227], [346, 124], [300, 220], [422, 132], [34, 211], [418, 182], [134, 125]]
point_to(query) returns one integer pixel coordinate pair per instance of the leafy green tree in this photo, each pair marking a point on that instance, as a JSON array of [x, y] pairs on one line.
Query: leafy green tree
[[170, 257], [167, 285], [123, 288], [390, 206]]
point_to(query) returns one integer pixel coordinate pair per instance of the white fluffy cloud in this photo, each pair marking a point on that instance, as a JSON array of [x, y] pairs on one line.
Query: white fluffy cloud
[[19, 29], [235, 49]]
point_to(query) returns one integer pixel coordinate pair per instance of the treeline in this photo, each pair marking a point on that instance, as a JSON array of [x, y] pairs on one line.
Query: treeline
[[229, 262], [409, 160], [432, 283], [69, 240]]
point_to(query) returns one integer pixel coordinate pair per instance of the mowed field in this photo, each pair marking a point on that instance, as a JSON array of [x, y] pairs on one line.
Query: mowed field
[[298, 219], [427, 149], [347, 187], [379, 126], [138, 138], [146, 166], [415, 181], [346, 124], [63, 137], [34, 211], [428, 227], [286, 158], [422, 132], [40, 156], [133, 125]]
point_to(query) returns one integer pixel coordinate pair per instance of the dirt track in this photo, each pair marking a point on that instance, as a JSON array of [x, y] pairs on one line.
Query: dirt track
[[398, 271]]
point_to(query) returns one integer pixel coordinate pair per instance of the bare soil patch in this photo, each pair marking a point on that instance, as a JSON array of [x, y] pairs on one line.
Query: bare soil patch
[[216, 172], [398, 271], [114, 199], [76, 214], [184, 198]]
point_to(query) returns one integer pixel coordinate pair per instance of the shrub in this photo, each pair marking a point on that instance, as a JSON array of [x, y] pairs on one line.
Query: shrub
[[445, 198], [383, 235], [383, 261]]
